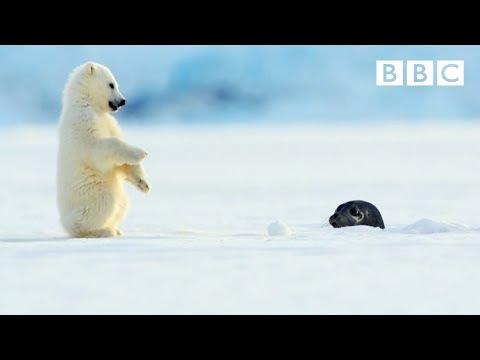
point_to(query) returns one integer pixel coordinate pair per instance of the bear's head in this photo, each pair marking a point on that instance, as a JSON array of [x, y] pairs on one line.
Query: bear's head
[[92, 84]]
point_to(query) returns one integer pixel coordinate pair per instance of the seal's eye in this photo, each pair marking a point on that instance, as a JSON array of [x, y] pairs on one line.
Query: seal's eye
[[111, 85], [354, 212]]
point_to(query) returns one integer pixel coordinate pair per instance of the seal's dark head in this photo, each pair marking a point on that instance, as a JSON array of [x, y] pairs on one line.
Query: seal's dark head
[[356, 212]]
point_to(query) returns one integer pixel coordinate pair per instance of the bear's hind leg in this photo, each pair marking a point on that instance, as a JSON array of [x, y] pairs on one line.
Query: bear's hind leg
[[121, 209], [76, 228], [93, 220], [101, 233]]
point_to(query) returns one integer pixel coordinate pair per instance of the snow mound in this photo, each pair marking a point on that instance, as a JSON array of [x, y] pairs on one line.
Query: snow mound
[[427, 226], [278, 228]]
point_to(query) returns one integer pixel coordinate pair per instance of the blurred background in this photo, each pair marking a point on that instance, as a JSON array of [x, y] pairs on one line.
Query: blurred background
[[238, 84]]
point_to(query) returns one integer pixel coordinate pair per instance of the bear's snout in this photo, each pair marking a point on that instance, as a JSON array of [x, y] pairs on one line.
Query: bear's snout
[[114, 105]]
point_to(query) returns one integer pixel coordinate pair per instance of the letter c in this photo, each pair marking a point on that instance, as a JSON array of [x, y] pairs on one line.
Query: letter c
[[443, 73]]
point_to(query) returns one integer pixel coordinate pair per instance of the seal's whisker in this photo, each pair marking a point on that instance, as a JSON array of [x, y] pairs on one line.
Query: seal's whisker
[[326, 223]]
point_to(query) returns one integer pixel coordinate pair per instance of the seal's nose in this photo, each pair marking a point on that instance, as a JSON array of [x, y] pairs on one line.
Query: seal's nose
[[122, 102]]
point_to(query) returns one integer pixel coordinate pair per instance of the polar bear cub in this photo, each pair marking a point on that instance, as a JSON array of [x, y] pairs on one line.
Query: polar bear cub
[[93, 158]]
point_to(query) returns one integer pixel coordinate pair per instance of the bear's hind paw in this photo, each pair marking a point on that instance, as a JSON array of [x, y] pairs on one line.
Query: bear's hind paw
[[100, 233]]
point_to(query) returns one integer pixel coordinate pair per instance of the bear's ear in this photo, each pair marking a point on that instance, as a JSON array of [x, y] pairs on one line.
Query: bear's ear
[[90, 68]]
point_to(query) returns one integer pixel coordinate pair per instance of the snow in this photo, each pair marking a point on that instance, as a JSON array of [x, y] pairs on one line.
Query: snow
[[197, 243], [278, 228], [427, 226]]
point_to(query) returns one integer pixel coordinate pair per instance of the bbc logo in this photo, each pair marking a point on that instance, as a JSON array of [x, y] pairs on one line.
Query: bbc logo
[[420, 73]]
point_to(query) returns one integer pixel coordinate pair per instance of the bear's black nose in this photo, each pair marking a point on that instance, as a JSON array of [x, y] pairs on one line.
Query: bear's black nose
[[122, 102]]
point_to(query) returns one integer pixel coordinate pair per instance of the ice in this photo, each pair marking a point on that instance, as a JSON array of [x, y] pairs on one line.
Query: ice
[[427, 226], [198, 242], [278, 228]]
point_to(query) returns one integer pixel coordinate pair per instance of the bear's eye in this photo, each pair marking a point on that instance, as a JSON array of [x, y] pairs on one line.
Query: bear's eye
[[111, 85]]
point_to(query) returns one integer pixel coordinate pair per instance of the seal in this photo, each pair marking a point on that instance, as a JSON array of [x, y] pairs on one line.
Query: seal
[[356, 212]]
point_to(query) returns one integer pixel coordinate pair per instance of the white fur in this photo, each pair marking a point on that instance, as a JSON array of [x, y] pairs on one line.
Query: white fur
[[93, 158]]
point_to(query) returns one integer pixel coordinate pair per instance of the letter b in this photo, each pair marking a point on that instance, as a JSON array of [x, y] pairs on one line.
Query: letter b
[[419, 73], [389, 73]]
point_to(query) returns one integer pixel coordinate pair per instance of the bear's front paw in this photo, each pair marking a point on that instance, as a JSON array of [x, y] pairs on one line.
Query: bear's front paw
[[136, 155], [142, 185]]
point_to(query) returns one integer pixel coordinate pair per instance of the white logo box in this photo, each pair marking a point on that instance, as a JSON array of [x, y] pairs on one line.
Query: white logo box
[[420, 73]]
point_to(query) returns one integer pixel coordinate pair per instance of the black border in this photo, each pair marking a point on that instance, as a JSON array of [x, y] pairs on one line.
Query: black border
[[250, 36]]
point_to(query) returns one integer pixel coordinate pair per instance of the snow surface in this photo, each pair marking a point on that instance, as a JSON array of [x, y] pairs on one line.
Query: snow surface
[[278, 228], [198, 242]]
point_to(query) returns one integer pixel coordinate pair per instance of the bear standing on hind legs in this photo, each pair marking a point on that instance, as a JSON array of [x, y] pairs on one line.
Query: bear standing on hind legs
[[93, 158]]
